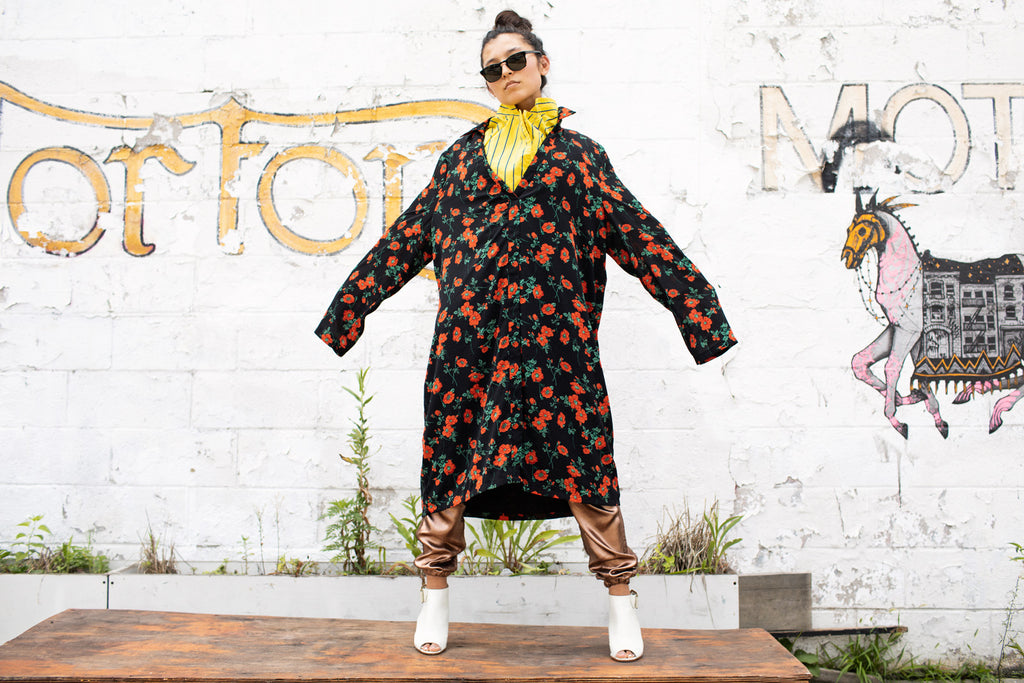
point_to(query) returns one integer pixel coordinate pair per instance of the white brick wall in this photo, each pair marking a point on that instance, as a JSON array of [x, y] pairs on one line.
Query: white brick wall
[[185, 390]]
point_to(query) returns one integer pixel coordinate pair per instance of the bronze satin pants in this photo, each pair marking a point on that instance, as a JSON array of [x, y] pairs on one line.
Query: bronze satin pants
[[443, 535]]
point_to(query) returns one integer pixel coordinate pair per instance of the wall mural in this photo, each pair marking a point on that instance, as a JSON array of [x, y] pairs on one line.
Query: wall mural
[[961, 323], [231, 118]]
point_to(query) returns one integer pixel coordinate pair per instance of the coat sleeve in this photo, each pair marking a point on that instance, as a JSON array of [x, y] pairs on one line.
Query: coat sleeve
[[644, 249], [402, 251]]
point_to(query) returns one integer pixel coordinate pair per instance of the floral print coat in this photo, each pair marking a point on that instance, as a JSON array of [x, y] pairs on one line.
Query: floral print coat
[[516, 418]]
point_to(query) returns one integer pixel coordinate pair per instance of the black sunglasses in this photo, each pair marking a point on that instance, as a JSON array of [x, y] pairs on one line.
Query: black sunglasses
[[516, 62]]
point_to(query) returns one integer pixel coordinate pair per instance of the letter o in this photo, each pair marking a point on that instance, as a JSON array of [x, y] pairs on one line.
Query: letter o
[[273, 221], [961, 129], [92, 172]]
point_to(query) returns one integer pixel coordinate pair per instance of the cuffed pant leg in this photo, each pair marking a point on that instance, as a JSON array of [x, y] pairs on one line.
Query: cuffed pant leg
[[443, 535], [604, 538]]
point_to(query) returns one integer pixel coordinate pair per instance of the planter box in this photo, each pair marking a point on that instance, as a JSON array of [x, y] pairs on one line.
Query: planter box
[[390, 598], [775, 602], [27, 599], [706, 602], [694, 602], [685, 602]]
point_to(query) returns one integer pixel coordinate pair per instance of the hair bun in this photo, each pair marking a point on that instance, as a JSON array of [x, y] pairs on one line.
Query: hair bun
[[509, 19]]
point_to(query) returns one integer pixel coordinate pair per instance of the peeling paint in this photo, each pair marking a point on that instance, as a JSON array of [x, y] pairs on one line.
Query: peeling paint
[[790, 491], [166, 130], [829, 48], [899, 169], [231, 242]]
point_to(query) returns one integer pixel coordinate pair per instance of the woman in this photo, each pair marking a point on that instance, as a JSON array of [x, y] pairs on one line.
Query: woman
[[517, 219]]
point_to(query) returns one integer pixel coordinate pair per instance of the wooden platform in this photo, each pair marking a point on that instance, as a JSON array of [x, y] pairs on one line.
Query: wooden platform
[[121, 645]]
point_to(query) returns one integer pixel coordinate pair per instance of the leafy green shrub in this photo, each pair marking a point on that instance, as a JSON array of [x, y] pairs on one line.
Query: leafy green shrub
[[29, 553], [939, 671], [68, 558], [871, 656], [518, 546], [880, 656], [348, 536], [407, 526], [808, 659], [293, 566]]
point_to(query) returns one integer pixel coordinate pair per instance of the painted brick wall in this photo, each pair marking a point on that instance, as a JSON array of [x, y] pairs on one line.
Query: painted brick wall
[[183, 389]]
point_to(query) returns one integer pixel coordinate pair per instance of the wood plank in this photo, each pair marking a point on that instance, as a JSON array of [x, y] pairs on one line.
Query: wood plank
[[109, 646]]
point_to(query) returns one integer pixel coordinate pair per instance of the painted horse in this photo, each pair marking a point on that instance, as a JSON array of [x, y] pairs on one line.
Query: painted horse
[[941, 313]]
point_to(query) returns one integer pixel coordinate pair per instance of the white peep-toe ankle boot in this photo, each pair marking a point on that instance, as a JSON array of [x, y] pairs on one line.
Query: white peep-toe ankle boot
[[432, 624], [624, 627]]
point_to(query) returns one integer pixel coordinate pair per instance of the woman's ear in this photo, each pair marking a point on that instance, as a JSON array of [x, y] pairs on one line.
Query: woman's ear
[[544, 65]]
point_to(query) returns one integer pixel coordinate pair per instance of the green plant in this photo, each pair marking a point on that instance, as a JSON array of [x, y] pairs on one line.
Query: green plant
[[808, 659], [938, 671], [32, 544], [293, 566], [407, 526], [153, 559], [517, 546], [685, 546], [221, 570], [30, 553], [876, 657], [481, 552], [246, 553], [718, 546], [69, 558], [871, 656], [261, 566], [1009, 641], [350, 531], [879, 656], [348, 537]]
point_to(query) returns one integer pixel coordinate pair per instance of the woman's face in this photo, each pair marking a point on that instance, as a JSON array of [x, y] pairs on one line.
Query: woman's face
[[515, 88]]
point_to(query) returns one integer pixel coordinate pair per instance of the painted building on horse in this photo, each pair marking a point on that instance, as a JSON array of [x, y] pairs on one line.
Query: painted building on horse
[[973, 322]]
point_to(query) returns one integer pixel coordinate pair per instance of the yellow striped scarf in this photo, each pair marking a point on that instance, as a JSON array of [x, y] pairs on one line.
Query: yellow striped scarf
[[513, 137]]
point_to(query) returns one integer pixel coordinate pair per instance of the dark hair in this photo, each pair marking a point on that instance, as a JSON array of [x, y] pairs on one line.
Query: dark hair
[[509, 21]]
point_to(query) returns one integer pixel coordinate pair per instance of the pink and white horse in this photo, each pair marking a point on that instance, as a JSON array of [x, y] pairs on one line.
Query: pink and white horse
[[899, 290]]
